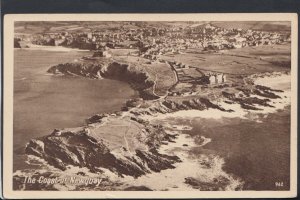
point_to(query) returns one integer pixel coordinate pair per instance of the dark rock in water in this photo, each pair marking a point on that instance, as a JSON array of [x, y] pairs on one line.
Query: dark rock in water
[[228, 95], [56, 132], [266, 93], [35, 147], [249, 107], [246, 91], [138, 120], [264, 88], [171, 105], [133, 102], [205, 163], [170, 138], [248, 102], [222, 86], [137, 188], [228, 102], [96, 118], [199, 139], [80, 173], [218, 184], [209, 104], [157, 162]]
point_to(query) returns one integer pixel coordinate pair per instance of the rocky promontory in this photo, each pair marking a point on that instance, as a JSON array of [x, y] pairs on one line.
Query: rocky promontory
[[83, 148]]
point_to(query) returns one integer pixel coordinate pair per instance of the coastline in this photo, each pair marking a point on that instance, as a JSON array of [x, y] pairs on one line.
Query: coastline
[[166, 149], [51, 48]]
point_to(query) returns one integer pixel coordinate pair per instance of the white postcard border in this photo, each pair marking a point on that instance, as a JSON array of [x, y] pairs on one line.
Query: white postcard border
[[9, 20]]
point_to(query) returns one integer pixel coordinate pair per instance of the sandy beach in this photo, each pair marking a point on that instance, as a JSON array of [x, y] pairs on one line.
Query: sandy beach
[[52, 48]]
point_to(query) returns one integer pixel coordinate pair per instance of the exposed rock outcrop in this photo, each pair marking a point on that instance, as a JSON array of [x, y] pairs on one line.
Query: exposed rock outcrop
[[218, 184], [83, 150], [195, 103]]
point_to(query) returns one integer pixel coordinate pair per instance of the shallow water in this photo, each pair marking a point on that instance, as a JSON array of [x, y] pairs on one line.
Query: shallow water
[[43, 102]]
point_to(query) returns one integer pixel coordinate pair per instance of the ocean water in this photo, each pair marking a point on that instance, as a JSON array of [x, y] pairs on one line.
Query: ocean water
[[227, 153], [43, 102], [256, 153]]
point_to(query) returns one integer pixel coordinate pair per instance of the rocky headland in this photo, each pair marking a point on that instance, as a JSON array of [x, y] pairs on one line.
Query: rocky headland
[[139, 79]]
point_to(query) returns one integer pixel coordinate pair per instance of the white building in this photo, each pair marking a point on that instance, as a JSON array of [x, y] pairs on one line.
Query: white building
[[212, 79], [219, 78]]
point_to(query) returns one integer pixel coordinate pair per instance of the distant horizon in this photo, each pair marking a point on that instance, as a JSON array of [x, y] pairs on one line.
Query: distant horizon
[[36, 27]]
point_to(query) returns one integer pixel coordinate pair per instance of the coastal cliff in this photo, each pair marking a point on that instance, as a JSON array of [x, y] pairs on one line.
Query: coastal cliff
[[83, 149], [139, 80]]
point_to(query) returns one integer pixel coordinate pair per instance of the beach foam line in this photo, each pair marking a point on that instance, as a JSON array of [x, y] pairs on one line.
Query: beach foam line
[[170, 179], [53, 48], [174, 179], [279, 82], [208, 113]]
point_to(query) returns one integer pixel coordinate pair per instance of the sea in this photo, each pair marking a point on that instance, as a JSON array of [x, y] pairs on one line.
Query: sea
[[257, 153], [225, 153], [43, 102]]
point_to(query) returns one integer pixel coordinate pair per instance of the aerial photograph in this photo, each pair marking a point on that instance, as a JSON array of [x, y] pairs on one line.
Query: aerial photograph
[[152, 105]]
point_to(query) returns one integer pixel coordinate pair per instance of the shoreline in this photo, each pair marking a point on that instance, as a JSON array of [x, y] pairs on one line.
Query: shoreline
[[217, 114], [51, 48]]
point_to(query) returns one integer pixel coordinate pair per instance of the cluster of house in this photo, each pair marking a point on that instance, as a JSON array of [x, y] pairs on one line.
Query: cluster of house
[[153, 41], [238, 38], [216, 78]]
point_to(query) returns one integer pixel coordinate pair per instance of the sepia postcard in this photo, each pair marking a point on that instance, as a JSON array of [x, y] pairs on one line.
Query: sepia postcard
[[150, 105]]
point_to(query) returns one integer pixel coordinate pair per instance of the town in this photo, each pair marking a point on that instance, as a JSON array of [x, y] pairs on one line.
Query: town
[[160, 40], [160, 43]]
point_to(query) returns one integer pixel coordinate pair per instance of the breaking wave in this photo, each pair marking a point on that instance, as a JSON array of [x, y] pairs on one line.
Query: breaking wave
[[195, 172]]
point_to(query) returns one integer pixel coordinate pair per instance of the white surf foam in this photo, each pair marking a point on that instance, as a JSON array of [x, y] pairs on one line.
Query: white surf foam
[[52, 48], [174, 179]]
